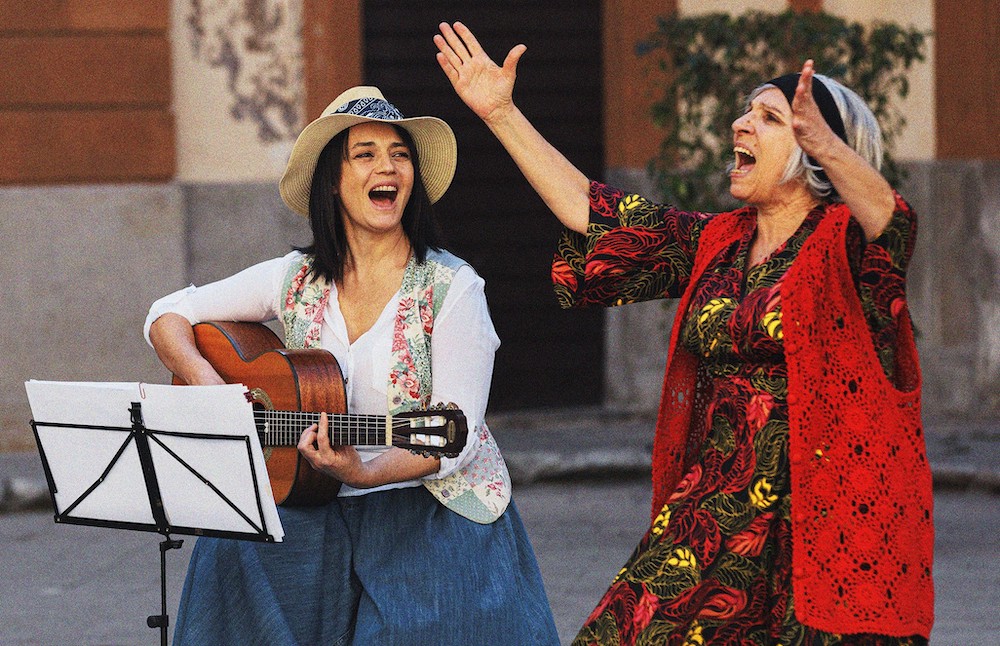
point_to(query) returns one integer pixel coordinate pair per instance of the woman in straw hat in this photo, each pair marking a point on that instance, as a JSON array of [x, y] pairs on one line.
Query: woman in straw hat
[[414, 549]]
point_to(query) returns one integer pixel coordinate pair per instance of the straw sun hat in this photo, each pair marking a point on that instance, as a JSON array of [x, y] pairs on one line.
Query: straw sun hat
[[434, 140]]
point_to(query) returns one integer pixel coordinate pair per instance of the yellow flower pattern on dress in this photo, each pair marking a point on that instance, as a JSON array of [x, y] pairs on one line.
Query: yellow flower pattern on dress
[[712, 307], [628, 203], [694, 636], [661, 521], [683, 557], [771, 322], [761, 496]]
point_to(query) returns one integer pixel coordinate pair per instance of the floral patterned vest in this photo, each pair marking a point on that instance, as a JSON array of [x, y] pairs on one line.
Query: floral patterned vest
[[479, 491]]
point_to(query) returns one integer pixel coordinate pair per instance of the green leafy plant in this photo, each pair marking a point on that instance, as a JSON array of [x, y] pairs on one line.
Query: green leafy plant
[[712, 61]]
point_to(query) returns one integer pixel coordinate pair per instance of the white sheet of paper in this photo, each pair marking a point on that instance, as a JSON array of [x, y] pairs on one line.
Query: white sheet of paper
[[77, 456], [209, 410]]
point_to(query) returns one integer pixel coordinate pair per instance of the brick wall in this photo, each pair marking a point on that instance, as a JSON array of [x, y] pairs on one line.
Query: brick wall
[[85, 91]]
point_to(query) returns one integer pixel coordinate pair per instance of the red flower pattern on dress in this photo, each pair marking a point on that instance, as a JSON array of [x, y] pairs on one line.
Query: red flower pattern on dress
[[398, 337], [759, 410], [645, 609], [634, 243], [751, 540], [687, 484], [427, 316], [724, 603], [563, 274]]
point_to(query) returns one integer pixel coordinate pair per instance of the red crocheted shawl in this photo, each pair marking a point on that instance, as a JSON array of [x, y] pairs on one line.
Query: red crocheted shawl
[[861, 504]]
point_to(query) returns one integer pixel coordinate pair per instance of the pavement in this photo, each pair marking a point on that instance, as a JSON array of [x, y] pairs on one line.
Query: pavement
[[545, 445], [582, 489]]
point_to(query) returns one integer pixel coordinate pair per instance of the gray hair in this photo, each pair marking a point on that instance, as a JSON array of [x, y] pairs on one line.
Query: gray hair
[[863, 135]]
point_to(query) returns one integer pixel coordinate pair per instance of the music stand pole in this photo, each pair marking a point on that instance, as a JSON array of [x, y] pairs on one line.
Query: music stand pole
[[162, 620]]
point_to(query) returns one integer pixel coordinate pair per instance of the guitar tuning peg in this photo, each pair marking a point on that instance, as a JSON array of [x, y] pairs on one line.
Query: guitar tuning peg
[[443, 406]]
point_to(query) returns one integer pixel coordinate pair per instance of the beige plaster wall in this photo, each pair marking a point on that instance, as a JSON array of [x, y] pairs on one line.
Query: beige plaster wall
[[917, 140], [694, 7], [238, 90]]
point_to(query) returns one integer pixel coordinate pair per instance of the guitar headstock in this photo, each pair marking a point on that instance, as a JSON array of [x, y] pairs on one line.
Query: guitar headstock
[[440, 431]]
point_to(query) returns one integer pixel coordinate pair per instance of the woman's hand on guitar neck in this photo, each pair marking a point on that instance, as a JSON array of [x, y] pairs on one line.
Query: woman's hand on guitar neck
[[345, 464], [340, 462]]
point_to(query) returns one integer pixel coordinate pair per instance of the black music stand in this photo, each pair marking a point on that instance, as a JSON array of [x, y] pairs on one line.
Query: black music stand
[[198, 483]]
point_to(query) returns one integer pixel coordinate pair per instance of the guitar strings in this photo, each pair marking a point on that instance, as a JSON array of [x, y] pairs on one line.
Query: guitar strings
[[283, 428]]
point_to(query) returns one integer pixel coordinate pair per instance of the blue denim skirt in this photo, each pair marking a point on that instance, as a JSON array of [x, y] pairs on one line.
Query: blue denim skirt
[[390, 567]]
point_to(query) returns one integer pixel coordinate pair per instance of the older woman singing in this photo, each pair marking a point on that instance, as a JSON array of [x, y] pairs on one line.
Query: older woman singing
[[791, 491]]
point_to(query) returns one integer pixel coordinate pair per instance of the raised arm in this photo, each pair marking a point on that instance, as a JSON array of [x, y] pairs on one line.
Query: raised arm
[[488, 90], [861, 186]]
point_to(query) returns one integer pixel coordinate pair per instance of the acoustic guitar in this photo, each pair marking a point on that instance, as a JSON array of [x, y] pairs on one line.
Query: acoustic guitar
[[289, 389]]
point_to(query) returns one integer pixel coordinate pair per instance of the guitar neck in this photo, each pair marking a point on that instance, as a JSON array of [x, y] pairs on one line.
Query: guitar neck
[[283, 428]]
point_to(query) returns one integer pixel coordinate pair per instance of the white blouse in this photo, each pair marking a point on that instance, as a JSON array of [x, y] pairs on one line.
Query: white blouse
[[463, 344]]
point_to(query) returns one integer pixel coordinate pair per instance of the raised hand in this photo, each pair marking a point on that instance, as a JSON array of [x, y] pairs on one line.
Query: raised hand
[[860, 185], [488, 90], [812, 132], [484, 86]]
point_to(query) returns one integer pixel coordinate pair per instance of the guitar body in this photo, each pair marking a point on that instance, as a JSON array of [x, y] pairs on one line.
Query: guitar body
[[279, 379]]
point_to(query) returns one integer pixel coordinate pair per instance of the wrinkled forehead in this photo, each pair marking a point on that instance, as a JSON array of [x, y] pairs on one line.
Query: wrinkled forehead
[[770, 97]]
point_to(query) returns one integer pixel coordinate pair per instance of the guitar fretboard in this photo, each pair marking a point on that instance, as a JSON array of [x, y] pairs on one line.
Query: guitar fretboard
[[283, 428]]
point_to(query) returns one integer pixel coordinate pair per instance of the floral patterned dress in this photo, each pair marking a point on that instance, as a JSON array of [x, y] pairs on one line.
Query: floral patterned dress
[[715, 565]]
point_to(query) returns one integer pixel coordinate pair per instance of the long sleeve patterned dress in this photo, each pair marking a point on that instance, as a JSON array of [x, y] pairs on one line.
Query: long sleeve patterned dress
[[715, 565]]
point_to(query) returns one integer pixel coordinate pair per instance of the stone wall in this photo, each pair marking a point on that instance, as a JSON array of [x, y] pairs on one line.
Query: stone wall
[[232, 226], [80, 266], [953, 285]]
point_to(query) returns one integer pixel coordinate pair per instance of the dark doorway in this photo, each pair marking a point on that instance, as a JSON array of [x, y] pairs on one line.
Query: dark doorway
[[491, 216]]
